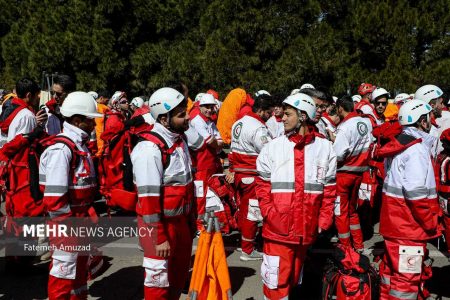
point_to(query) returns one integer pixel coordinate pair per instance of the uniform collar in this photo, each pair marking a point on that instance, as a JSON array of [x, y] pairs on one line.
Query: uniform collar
[[427, 139], [169, 136], [255, 116], [75, 134], [349, 116]]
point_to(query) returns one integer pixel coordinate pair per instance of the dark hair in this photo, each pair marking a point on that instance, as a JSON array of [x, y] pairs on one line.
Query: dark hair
[[263, 102], [65, 81], [26, 85], [315, 93], [346, 102], [104, 93]]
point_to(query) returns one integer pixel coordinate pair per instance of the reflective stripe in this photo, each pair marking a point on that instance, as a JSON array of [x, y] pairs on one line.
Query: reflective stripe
[[385, 280], [151, 190], [420, 193], [178, 178], [55, 189], [403, 295], [330, 180], [282, 185], [213, 208], [355, 227], [392, 190], [80, 290], [248, 240], [61, 211], [353, 168], [264, 175], [242, 151], [198, 142], [151, 218], [344, 235], [245, 170], [177, 211], [314, 187]]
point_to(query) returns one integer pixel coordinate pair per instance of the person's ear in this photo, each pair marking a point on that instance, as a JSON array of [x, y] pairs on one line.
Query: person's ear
[[164, 120]]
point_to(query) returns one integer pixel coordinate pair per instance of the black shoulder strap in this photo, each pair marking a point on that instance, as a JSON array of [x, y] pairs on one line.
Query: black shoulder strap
[[405, 139]]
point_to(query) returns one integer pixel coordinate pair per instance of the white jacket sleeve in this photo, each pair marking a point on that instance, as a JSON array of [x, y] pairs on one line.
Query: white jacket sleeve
[[260, 138], [341, 145], [199, 124]]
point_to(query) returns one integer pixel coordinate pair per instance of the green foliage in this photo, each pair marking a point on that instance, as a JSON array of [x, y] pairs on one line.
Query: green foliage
[[141, 45]]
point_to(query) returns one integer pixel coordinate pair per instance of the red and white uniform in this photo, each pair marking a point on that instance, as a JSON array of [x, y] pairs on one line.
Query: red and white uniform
[[296, 190], [275, 126], [409, 216], [325, 124], [443, 173], [205, 160], [24, 122], [353, 139], [249, 135], [166, 205], [366, 108], [67, 193]]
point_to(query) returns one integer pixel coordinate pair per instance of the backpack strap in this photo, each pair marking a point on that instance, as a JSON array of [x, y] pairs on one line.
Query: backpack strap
[[162, 144], [76, 154], [10, 109]]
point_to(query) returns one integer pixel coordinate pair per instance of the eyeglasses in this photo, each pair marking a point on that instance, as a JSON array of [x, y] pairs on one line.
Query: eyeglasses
[[322, 106], [380, 103], [58, 94], [123, 101]]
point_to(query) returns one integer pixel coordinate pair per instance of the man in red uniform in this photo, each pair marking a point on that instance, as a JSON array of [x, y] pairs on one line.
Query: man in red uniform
[[409, 208], [296, 192], [249, 135], [163, 176]]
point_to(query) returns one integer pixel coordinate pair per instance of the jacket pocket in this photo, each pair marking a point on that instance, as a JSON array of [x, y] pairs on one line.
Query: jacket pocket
[[278, 222], [156, 273], [270, 270]]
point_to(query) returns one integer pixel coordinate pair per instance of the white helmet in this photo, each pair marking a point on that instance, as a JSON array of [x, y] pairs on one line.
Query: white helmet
[[207, 99], [198, 97], [93, 94], [295, 91], [401, 98], [164, 100], [335, 99], [378, 92], [262, 92], [302, 102], [428, 92], [307, 86], [356, 98], [411, 111], [79, 103], [137, 101]]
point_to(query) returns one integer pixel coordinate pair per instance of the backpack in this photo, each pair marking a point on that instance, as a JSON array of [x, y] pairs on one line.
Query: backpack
[[116, 169], [21, 174], [348, 275]]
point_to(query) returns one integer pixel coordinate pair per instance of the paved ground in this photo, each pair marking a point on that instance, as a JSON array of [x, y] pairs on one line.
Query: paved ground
[[123, 279]]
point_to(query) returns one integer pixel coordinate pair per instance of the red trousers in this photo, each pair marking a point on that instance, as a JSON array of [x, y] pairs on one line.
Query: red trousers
[[249, 213], [68, 276], [281, 268], [346, 216], [446, 223], [401, 269], [165, 278]]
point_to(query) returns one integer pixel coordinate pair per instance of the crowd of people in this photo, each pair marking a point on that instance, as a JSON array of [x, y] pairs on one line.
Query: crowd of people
[[298, 166]]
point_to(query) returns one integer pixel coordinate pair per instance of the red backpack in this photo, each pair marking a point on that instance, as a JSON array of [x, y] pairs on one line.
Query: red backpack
[[20, 174], [349, 276], [116, 169]]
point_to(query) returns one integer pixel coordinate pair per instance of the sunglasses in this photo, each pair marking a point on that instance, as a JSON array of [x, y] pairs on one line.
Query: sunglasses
[[123, 101], [380, 103], [59, 94]]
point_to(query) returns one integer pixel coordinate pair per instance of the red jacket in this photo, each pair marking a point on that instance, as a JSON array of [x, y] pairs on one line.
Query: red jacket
[[296, 187]]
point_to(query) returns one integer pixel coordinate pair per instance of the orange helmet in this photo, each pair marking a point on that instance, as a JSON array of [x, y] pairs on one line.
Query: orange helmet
[[365, 88]]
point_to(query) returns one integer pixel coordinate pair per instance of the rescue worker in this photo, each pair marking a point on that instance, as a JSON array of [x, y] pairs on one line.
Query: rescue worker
[[18, 113], [364, 106], [442, 171], [329, 121], [409, 208], [380, 102], [296, 192], [275, 122], [165, 197], [116, 117], [102, 101], [433, 95], [69, 192], [206, 160], [322, 103], [249, 135], [136, 103], [62, 86], [353, 139]]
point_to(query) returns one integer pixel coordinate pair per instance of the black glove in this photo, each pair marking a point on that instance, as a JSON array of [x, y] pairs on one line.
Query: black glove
[[134, 122], [37, 133]]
